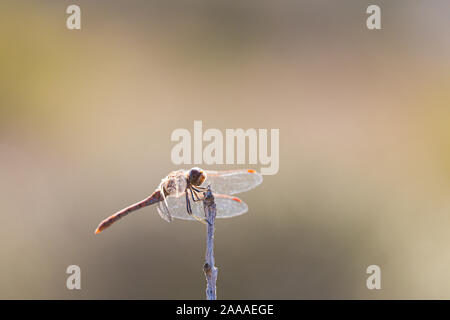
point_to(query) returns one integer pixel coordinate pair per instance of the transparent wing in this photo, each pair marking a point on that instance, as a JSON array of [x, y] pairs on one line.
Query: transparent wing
[[232, 181], [180, 182], [226, 207], [164, 211]]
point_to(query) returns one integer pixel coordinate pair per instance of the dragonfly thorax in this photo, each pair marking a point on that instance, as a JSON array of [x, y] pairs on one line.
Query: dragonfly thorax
[[174, 184]]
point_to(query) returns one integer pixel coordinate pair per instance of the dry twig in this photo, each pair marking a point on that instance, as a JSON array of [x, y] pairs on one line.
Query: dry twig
[[209, 268]]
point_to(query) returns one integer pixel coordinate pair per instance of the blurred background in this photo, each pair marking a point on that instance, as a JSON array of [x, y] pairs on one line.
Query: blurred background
[[85, 124]]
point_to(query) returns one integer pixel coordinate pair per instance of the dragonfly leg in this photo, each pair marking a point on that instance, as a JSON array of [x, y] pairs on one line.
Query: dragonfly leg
[[188, 205], [189, 209], [199, 189], [204, 221], [194, 195]]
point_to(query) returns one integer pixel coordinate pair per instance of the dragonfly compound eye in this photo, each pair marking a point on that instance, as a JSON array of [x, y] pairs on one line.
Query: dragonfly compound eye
[[196, 176]]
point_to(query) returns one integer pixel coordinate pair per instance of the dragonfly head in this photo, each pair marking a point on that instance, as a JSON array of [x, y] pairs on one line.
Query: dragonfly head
[[196, 176]]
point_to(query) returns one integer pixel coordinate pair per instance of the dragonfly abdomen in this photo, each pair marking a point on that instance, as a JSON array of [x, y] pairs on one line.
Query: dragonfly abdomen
[[154, 198]]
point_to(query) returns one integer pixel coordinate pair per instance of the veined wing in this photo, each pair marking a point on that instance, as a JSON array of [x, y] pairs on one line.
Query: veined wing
[[226, 207], [232, 181], [164, 211]]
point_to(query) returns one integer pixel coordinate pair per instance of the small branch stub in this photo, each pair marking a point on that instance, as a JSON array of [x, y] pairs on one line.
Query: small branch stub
[[209, 267]]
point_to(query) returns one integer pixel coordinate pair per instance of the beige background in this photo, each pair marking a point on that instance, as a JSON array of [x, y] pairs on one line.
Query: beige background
[[85, 124]]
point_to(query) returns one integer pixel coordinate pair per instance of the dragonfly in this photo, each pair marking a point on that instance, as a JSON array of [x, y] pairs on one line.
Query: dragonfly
[[180, 194]]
